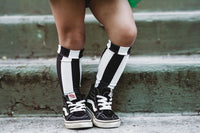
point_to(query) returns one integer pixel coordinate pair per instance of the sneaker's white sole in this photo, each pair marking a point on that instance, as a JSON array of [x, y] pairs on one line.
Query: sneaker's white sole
[[103, 123], [78, 124]]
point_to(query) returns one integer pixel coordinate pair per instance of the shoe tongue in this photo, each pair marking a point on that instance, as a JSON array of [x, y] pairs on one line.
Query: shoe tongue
[[73, 96]]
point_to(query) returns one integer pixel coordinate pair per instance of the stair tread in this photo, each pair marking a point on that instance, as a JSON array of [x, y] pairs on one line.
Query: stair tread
[[139, 16], [143, 60]]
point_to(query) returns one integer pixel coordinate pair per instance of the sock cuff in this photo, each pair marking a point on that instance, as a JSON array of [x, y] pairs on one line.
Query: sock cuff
[[74, 54], [118, 49]]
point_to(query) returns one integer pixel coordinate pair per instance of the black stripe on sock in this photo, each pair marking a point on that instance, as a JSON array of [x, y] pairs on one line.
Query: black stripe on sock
[[115, 48], [81, 53], [58, 65], [64, 51], [129, 50], [111, 70], [76, 73]]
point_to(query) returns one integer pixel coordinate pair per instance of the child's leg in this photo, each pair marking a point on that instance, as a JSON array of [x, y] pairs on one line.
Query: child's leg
[[69, 18], [117, 17]]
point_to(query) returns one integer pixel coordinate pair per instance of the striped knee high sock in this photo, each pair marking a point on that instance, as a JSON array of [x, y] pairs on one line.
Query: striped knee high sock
[[111, 66], [69, 71]]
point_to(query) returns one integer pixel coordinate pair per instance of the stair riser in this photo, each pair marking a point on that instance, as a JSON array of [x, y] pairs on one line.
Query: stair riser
[[157, 36], [11, 7], [35, 90]]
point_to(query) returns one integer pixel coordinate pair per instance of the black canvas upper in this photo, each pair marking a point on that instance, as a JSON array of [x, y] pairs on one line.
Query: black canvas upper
[[100, 114]]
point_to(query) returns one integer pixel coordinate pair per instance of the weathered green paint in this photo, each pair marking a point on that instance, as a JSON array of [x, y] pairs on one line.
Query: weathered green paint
[[24, 7], [11, 7], [32, 88], [28, 40], [169, 5], [157, 37], [167, 37]]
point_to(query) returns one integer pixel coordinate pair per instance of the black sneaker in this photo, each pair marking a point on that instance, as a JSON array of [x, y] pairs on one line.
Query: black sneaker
[[99, 107], [74, 112]]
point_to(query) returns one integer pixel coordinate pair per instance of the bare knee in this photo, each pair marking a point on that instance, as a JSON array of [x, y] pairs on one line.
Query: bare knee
[[74, 40], [126, 35], [123, 34]]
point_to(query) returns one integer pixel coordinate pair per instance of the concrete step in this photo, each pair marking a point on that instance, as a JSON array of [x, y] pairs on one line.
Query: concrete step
[[159, 33], [131, 123], [157, 84], [37, 7]]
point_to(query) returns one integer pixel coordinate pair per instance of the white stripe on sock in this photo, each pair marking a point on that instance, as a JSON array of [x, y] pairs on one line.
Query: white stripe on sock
[[66, 72], [108, 44], [123, 50], [59, 49], [118, 73], [74, 54], [105, 59]]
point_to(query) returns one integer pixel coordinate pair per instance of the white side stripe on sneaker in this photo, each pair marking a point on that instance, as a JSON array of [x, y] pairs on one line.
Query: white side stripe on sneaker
[[65, 111], [92, 103]]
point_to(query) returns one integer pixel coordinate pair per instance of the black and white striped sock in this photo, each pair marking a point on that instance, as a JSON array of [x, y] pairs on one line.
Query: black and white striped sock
[[111, 66], [69, 71]]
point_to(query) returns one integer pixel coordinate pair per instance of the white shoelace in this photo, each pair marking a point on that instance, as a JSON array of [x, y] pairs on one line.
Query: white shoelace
[[78, 106], [103, 103]]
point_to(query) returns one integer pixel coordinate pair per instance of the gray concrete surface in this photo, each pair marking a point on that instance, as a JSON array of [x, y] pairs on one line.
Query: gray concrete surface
[[130, 124], [148, 84]]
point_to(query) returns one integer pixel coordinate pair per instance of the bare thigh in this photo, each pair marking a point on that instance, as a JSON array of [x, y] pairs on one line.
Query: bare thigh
[[117, 18], [69, 17]]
